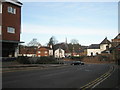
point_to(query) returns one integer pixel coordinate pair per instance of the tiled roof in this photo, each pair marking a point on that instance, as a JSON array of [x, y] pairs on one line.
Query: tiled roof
[[45, 47], [28, 50], [63, 46], [94, 46], [105, 41]]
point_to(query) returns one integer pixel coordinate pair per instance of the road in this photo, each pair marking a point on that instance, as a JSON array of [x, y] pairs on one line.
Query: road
[[78, 76]]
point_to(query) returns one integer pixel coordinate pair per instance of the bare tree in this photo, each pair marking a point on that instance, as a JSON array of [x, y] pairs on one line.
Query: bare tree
[[74, 41], [52, 41], [34, 42]]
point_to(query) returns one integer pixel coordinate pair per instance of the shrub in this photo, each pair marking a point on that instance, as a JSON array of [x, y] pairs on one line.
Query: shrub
[[103, 58], [37, 60], [46, 60], [77, 57], [23, 60], [33, 60]]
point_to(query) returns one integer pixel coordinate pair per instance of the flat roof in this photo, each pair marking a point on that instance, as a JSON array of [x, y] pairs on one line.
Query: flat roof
[[8, 41], [16, 2]]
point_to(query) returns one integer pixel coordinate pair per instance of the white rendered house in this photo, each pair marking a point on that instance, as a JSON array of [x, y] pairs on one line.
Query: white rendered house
[[59, 53], [95, 49]]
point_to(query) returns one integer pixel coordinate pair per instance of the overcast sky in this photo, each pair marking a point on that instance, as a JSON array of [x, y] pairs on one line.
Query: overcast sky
[[88, 22]]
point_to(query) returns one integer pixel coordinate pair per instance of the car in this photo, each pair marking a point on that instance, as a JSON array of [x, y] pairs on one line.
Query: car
[[77, 63]]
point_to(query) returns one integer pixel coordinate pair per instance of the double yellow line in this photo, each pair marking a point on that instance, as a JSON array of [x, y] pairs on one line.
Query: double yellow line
[[98, 80]]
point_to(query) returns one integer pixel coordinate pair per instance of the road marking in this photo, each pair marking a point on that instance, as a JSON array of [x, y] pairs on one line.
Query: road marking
[[109, 74], [100, 79]]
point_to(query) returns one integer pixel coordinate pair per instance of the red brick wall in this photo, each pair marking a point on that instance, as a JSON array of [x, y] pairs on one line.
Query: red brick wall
[[11, 20], [1, 25], [42, 52]]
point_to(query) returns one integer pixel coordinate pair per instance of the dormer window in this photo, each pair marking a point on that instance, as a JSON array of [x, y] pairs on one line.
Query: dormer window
[[11, 10]]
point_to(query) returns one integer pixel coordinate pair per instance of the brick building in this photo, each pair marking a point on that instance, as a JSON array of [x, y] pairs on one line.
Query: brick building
[[29, 51], [116, 40], [115, 50], [44, 51], [10, 27]]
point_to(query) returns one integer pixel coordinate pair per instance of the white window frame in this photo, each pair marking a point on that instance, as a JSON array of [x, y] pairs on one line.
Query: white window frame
[[14, 11], [11, 10], [39, 55], [45, 52], [11, 30], [39, 52], [0, 7]]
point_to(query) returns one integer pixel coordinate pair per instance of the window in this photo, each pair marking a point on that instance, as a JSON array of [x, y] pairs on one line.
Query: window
[[11, 10], [38, 51], [10, 30], [38, 55], [45, 51], [0, 7], [0, 30]]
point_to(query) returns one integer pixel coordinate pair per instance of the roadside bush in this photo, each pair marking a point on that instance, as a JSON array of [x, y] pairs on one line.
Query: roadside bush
[[46, 60], [33, 60], [103, 58], [77, 57], [23, 60], [37, 60]]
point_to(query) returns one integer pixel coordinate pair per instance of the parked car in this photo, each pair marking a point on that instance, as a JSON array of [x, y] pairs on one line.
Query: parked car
[[77, 63]]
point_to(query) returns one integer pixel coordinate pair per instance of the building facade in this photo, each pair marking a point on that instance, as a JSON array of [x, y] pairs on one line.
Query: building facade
[[95, 49], [115, 50], [29, 51], [105, 44], [116, 41], [10, 27], [44, 51], [59, 53]]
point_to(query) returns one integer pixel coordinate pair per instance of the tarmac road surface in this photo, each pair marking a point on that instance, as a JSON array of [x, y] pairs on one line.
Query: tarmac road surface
[[70, 76]]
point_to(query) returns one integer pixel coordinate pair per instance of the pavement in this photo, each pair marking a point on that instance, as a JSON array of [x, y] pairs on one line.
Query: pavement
[[11, 68]]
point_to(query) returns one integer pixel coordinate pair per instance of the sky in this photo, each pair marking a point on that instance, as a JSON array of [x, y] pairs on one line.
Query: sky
[[88, 22]]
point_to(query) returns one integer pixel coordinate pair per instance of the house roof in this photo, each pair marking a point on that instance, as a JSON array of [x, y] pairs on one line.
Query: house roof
[[45, 47], [105, 41], [8, 41], [16, 2], [117, 37], [118, 46], [63, 46], [94, 46], [28, 50]]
